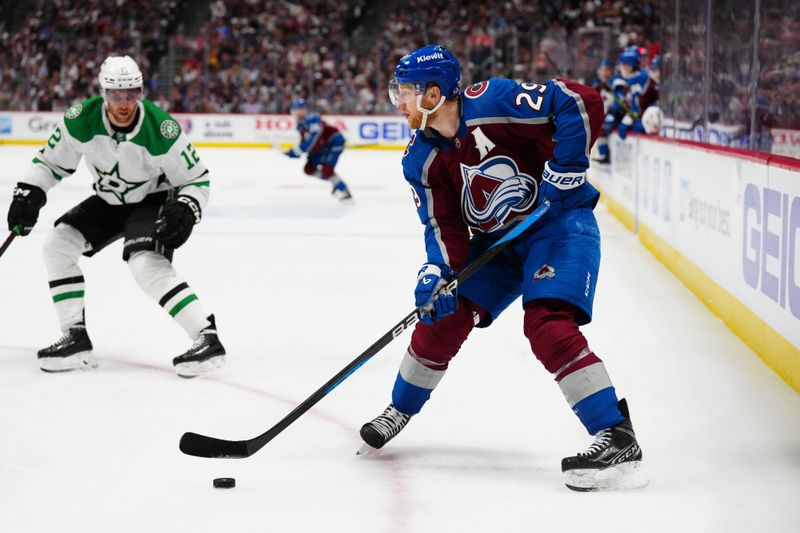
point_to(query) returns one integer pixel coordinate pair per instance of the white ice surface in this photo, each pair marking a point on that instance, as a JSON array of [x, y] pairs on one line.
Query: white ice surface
[[300, 286]]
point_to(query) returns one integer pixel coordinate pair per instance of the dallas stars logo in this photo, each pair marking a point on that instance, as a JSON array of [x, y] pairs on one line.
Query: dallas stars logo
[[113, 183]]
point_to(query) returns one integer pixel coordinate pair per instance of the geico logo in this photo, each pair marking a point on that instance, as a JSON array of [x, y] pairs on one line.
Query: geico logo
[[38, 123], [771, 225], [437, 55], [388, 131]]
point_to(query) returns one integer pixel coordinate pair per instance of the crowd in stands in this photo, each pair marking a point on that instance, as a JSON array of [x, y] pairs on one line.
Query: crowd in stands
[[533, 39], [778, 93], [753, 82], [53, 58], [253, 56]]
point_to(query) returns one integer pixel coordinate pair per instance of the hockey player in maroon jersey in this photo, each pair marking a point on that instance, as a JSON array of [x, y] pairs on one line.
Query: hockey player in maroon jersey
[[323, 143], [478, 163], [651, 89]]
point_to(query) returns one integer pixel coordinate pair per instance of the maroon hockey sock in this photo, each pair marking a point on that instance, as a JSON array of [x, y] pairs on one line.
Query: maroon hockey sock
[[554, 335], [436, 345], [327, 171]]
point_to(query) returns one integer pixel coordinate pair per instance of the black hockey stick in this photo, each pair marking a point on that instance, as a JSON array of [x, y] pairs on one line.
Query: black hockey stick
[[203, 446], [11, 237]]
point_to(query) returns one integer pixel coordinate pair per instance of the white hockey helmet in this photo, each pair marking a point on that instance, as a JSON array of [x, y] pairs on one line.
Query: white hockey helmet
[[120, 72], [652, 118]]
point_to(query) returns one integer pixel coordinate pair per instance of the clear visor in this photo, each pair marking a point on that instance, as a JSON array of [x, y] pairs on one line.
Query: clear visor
[[402, 93], [119, 96]]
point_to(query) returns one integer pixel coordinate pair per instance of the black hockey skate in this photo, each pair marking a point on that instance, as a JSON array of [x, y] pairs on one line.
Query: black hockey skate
[[383, 428], [73, 351], [203, 356], [611, 463], [341, 192]]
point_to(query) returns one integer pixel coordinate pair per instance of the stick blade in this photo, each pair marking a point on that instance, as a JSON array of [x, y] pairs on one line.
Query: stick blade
[[203, 446]]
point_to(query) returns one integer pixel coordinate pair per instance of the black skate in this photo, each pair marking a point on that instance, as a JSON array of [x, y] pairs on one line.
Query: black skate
[[611, 463], [73, 351], [341, 192], [383, 429], [203, 356]]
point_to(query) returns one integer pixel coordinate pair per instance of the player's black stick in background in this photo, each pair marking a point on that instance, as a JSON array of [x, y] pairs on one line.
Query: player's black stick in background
[[203, 446], [11, 237]]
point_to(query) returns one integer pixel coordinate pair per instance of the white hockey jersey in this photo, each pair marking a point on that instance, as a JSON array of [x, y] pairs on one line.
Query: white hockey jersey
[[155, 156]]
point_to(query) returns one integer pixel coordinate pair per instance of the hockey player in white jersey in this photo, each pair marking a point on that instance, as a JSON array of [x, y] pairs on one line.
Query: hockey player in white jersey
[[150, 189]]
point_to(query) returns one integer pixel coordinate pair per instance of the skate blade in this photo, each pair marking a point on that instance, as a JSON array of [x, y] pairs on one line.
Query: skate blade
[[192, 369], [76, 361], [366, 449], [344, 197], [626, 476]]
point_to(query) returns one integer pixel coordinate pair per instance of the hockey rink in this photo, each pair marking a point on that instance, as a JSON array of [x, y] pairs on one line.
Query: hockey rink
[[300, 285]]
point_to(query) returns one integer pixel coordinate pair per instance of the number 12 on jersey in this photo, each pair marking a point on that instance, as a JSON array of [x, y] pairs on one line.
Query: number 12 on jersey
[[186, 153]]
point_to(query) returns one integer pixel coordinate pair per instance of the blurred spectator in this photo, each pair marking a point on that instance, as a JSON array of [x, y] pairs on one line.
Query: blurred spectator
[[53, 58], [252, 56]]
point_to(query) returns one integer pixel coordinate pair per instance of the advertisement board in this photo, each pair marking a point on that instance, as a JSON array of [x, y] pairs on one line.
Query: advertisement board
[[727, 223], [231, 130]]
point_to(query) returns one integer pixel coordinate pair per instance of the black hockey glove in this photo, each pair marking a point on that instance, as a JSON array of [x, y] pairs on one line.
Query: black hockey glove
[[176, 221], [25, 206]]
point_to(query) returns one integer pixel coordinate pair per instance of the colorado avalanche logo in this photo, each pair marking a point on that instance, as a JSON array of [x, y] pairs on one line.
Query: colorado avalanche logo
[[496, 193], [546, 271]]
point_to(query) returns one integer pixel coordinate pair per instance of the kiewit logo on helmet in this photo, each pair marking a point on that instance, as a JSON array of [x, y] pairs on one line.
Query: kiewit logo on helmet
[[437, 55]]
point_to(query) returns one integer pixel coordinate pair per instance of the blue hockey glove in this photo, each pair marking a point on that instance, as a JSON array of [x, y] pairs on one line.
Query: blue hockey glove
[[627, 123], [555, 183], [292, 153], [550, 193], [433, 302]]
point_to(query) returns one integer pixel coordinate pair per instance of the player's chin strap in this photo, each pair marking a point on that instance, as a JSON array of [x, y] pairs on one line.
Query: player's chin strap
[[426, 112]]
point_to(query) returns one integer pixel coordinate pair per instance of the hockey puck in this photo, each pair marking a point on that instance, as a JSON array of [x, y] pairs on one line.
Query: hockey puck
[[224, 483]]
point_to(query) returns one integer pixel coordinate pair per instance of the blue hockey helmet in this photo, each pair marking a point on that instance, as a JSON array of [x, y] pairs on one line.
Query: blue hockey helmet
[[430, 64], [298, 103], [630, 56]]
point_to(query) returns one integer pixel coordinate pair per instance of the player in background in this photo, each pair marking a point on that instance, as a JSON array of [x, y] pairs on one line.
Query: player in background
[[650, 93], [652, 115], [478, 163], [636, 80], [324, 144], [616, 108], [602, 84], [150, 188]]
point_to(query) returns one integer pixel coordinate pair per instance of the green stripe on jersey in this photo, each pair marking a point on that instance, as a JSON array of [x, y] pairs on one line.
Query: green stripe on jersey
[[197, 184], [67, 295], [56, 176], [183, 303]]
